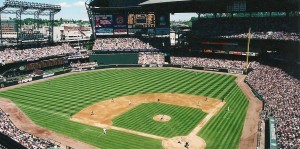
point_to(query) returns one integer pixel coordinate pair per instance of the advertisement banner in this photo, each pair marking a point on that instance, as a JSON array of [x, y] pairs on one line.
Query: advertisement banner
[[220, 52], [207, 51], [48, 75], [133, 31], [163, 20], [120, 21], [151, 31], [162, 31], [103, 21], [120, 31], [104, 31]]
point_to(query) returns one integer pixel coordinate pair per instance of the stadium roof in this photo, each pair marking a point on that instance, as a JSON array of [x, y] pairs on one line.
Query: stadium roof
[[161, 1], [201, 6]]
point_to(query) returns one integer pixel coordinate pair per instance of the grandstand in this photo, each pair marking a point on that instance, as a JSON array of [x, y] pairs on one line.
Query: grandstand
[[136, 34]]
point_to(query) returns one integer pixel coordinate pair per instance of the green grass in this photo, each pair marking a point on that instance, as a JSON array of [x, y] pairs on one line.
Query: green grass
[[226, 123], [183, 119], [50, 103]]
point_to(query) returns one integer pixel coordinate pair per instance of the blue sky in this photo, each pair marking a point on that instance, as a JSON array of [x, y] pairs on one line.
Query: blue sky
[[75, 9]]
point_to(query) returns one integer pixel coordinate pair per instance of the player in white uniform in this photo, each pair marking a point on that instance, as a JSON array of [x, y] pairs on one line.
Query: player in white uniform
[[104, 131], [162, 117]]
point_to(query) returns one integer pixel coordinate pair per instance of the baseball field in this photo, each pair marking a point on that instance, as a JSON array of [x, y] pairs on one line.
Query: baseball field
[[52, 104]]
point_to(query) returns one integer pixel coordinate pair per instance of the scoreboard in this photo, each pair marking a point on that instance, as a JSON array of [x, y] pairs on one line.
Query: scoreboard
[[141, 21], [131, 23]]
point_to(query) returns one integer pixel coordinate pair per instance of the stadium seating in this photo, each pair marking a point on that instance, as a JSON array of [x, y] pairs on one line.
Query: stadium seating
[[207, 62], [11, 55], [276, 28], [151, 58], [84, 65], [122, 44], [24, 138], [281, 94]]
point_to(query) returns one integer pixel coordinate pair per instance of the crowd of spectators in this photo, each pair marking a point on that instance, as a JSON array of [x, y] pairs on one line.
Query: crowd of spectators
[[122, 44], [281, 94], [151, 58], [11, 55], [84, 65], [207, 62], [277, 28], [27, 140], [266, 35]]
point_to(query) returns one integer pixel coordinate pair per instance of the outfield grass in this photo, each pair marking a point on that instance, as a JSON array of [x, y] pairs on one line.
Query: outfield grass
[[50, 103], [226, 123], [183, 119]]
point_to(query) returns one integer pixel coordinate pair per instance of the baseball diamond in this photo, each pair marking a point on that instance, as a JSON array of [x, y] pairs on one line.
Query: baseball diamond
[[52, 103], [150, 74]]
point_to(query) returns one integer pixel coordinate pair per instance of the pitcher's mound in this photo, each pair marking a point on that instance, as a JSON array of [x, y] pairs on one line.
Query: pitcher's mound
[[162, 118]]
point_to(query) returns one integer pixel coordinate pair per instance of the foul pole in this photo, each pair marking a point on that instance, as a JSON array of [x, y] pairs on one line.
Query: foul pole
[[248, 50]]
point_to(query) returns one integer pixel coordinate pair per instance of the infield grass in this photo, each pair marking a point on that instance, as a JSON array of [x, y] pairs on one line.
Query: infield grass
[[50, 103], [183, 119]]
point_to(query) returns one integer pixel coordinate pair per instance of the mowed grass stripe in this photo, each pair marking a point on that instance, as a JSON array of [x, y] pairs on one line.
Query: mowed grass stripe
[[183, 120], [226, 123], [50, 103]]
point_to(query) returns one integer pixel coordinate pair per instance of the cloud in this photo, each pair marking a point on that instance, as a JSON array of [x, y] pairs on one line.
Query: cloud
[[76, 4], [64, 4], [79, 4]]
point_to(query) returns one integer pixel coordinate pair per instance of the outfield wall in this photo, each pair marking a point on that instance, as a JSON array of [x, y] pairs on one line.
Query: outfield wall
[[106, 59]]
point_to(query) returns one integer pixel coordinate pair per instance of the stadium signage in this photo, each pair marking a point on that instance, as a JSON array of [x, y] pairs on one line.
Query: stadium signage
[[30, 36], [186, 66], [48, 75], [207, 51], [220, 52], [132, 23]]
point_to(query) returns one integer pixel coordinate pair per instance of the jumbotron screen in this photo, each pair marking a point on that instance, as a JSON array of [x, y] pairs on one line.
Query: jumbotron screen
[[124, 24]]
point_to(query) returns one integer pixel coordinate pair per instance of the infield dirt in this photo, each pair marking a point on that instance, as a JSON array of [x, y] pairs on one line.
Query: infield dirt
[[101, 114], [104, 112]]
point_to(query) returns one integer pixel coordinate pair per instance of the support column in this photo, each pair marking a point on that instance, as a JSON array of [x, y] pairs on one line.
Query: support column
[[19, 24], [50, 39]]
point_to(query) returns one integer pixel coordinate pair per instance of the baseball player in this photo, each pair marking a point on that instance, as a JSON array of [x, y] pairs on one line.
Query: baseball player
[[186, 145], [180, 140], [162, 117], [227, 108], [104, 131], [112, 100], [92, 113], [198, 104], [129, 102]]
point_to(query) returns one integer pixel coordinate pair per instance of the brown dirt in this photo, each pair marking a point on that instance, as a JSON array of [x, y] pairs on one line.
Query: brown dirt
[[194, 141], [22, 122], [102, 113], [105, 111], [249, 135], [162, 118]]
